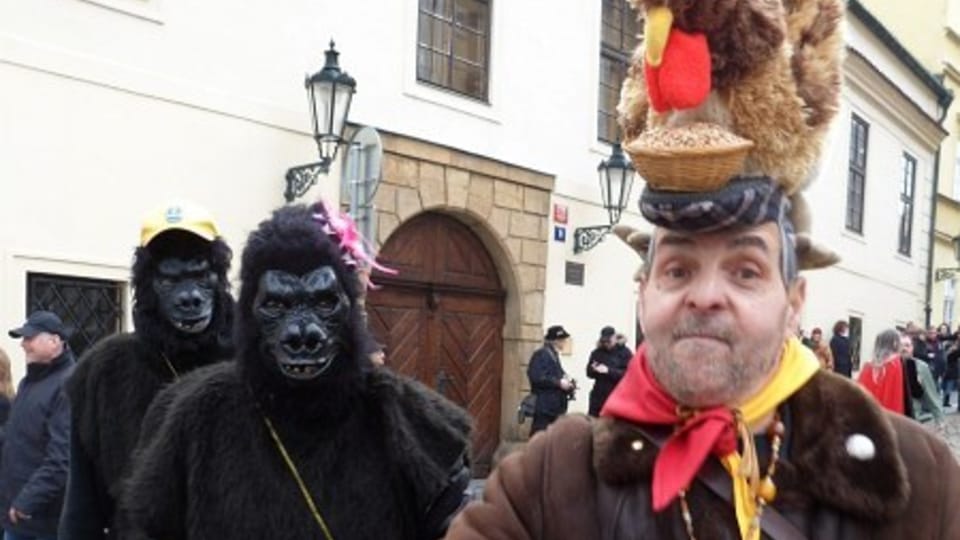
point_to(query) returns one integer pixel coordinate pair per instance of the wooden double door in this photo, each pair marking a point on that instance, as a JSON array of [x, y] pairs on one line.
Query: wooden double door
[[441, 319]]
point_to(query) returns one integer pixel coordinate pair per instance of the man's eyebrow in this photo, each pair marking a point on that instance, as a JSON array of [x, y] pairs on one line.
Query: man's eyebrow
[[749, 240], [671, 239]]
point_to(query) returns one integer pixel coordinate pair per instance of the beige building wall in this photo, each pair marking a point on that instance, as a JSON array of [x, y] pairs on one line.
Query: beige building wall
[[930, 30]]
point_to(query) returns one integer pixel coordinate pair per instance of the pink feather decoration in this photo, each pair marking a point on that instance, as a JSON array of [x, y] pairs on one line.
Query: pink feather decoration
[[355, 248]]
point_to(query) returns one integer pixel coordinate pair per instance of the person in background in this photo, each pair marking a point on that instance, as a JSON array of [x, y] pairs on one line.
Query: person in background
[[951, 373], [621, 347], [36, 449], [920, 384], [6, 394], [821, 349], [548, 381], [606, 367], [936, 354], [884, 377], [840, 349]]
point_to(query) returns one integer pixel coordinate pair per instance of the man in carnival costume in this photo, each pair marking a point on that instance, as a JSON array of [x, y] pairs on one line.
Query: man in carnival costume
[[183, 318], [300, 437], [723, 426]]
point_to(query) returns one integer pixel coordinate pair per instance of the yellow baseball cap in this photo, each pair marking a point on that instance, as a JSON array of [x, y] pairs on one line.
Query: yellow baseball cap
[[181, 215]]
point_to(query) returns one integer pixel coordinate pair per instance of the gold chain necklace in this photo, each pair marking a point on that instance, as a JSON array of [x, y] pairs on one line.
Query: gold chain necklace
[[296, 476], [765, 490], [170, 365]]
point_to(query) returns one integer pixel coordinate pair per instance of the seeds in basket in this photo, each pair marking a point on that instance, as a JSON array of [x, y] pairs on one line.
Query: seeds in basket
[[697, 135]]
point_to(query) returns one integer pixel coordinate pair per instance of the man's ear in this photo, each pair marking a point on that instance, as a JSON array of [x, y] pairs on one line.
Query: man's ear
[[796, 299]]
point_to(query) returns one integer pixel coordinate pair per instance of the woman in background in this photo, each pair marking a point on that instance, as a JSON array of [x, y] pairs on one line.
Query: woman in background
[[6, 394], [884, 377]]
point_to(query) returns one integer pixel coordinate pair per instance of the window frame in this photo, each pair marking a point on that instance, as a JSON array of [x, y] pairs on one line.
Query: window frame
[[908, 189], [79, 323], [857, 174], [618, 56], [453, 25]]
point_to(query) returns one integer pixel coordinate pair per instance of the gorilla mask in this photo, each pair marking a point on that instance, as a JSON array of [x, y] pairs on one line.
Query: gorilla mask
[[185, 289], [299, 327], [301, 320], [181, 297]]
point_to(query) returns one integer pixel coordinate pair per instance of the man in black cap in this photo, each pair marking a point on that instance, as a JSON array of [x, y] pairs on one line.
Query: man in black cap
[[36, 452], [606, 366], [548, 381]]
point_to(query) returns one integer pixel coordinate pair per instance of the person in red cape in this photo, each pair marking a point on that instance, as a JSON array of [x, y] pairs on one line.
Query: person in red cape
[[884, 377]]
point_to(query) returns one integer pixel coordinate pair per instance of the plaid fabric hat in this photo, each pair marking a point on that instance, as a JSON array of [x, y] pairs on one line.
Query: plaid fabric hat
[[745, 201]]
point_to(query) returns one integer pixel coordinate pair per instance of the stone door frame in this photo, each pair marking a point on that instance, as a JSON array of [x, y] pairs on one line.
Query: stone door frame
[[508, 208]]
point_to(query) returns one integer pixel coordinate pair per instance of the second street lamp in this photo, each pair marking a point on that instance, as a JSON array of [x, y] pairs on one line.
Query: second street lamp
[[616, 181], [330, 92]]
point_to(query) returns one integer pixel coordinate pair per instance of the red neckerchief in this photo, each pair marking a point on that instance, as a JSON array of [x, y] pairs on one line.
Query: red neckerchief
[[639, 399]]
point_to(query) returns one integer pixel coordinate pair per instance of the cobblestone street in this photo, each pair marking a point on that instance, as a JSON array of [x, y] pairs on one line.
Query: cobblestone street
[[951, 431]]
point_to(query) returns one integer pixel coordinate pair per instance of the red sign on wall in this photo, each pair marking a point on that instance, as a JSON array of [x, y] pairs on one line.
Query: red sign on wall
[[560, 213]]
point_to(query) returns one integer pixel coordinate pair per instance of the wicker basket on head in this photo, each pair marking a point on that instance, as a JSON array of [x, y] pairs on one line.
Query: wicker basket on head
[[693, 158]]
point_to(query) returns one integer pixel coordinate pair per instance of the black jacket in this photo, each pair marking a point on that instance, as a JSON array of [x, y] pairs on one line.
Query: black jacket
[[544, 373], [953, 370], [36, 450], [616, 361], [840, 348]]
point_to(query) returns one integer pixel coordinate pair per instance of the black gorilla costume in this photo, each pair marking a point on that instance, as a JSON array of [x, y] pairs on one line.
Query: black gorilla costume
[[380, 455], [183, 317]]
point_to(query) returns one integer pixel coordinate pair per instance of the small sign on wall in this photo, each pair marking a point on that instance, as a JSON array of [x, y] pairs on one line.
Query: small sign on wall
[[560, 214], [573, 274], [559, 233]]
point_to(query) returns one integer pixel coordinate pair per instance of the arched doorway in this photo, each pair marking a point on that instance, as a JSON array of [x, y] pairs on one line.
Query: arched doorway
[[441, 319]]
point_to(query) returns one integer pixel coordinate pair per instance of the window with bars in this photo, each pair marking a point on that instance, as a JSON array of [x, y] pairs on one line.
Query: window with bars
[[453, 45], [857, 173], [91, 308], [618, 37], [907, 187]]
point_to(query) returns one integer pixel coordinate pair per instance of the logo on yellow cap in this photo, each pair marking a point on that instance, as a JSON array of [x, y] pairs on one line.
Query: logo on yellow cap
[[183, 216]]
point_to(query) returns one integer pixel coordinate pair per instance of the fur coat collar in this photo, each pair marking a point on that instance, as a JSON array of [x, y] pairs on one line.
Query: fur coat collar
[[824, 463]]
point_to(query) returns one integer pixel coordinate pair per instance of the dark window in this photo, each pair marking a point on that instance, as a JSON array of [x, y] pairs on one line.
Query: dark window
[[907, 186], [453, 39], [618, 37], [91, 308], [857, 177]]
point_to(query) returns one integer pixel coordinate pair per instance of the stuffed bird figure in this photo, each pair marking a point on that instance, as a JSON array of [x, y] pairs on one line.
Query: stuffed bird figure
[[738, 64], [765, 71]]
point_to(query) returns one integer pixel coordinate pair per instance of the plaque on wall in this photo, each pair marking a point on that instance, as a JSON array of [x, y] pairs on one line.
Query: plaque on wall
[[574, 273]]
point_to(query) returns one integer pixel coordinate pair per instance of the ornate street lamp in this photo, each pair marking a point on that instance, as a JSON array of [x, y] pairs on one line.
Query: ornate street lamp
[[330, 92], [616, 182]]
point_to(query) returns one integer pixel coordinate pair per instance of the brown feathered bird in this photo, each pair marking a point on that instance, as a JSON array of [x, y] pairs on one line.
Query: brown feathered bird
[[767, 70]]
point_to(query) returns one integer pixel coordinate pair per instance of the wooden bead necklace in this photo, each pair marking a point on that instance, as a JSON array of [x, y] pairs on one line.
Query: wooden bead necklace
[[765, 490]]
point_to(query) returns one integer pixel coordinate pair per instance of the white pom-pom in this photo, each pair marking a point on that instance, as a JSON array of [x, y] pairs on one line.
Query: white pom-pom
[[860, 447]]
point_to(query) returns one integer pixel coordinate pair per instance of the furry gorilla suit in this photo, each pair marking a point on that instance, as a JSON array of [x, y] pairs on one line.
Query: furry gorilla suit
[[381, 456], [117, 379]]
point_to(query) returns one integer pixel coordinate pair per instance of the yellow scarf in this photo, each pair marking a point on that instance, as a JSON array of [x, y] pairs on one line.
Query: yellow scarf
[[797, 365]]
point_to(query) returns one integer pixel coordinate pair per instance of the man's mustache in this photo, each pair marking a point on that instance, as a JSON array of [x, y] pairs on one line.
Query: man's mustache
[[703, 328]]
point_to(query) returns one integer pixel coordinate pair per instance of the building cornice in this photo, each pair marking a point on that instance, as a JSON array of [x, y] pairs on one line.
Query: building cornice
[[944, 96], [861, 74]]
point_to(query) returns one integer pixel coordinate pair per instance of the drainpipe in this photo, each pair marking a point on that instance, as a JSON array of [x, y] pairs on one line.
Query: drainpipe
[[944, 103]]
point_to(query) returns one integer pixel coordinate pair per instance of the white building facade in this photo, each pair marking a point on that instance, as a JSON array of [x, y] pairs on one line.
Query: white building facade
[[872, 200], [494, 116]]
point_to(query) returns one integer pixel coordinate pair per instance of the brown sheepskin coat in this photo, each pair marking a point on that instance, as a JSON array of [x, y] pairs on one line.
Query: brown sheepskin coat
[[586, 480]]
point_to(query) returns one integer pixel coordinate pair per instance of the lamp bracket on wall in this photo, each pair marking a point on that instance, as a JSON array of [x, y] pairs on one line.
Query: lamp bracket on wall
[[942, 274], [303, 177], [586, 238]]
